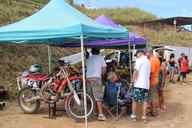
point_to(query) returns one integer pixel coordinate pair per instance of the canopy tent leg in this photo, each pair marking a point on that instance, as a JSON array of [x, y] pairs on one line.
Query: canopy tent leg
[[134, 51], [130, 65], [146, 46], [84, 82], [49, 58]]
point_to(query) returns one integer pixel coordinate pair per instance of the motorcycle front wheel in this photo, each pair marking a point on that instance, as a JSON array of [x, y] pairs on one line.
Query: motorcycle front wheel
[[27, 100], [77, 111]]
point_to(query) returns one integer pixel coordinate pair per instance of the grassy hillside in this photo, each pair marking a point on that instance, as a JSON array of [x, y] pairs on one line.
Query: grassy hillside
[[164, 36], [16, 58], [123, 16]]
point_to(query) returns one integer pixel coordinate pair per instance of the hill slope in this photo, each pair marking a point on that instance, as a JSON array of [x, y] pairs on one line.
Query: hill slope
[[17, 58], [123, 16]]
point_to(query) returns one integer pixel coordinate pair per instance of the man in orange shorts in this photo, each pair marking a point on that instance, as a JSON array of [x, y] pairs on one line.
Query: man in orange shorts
[[154, 77]]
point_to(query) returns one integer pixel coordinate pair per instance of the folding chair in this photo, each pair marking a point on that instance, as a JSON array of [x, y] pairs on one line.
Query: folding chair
[[110, 108], [118, 106]]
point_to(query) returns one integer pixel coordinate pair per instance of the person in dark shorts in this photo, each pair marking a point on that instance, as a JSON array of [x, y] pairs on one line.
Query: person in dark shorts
[[172, 66], [141, 82], [161, 84], [140, 94], [179, 64]]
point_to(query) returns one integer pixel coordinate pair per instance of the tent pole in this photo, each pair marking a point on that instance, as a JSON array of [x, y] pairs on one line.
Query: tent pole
[[134, 49], [146, 44], [84, 82], [49, 58], [130, 65]]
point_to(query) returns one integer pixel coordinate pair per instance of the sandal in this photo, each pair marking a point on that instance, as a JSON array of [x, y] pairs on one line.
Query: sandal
[[144, 118], [101, 117], [133, 117]]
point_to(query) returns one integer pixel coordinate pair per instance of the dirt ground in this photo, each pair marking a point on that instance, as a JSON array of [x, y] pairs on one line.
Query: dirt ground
[[177, 115]]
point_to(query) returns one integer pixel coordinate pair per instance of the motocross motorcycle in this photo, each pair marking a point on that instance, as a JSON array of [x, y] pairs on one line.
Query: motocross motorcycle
[[61, 84]]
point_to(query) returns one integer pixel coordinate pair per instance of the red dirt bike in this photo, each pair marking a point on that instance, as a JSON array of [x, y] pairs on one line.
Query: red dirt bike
[[58, 85]]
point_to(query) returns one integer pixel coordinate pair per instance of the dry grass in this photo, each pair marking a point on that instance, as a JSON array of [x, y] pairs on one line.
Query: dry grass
[[164, 36], [123, 16]]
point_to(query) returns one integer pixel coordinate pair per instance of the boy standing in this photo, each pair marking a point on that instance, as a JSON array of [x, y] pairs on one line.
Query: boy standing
[[141, 78], [96, 67]]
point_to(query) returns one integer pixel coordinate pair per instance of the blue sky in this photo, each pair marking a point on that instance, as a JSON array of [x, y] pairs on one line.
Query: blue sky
[[161, 8]]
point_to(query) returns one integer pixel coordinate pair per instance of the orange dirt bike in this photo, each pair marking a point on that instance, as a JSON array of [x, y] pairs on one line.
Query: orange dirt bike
[[51, 88]]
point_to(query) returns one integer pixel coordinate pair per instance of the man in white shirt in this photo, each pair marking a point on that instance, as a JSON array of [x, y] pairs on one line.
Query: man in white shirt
[[141, 79], [96, 67]]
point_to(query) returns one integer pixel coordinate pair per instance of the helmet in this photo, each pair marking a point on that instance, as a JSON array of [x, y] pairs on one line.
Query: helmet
[[35, 68]]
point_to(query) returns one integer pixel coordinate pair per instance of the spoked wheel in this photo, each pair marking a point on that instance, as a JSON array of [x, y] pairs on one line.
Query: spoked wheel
[[77, 111], [28, 100], [48, 94]]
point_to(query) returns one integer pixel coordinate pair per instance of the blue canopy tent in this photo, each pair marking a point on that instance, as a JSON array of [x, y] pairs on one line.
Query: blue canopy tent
[[55, 24], [60, 22]]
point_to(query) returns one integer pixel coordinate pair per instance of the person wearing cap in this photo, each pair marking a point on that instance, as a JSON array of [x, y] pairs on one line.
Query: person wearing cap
[[154, 79], [96, 67], [141, 83]]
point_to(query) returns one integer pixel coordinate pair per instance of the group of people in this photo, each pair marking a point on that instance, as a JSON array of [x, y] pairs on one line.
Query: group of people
[[148, 81], [182, 66]]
